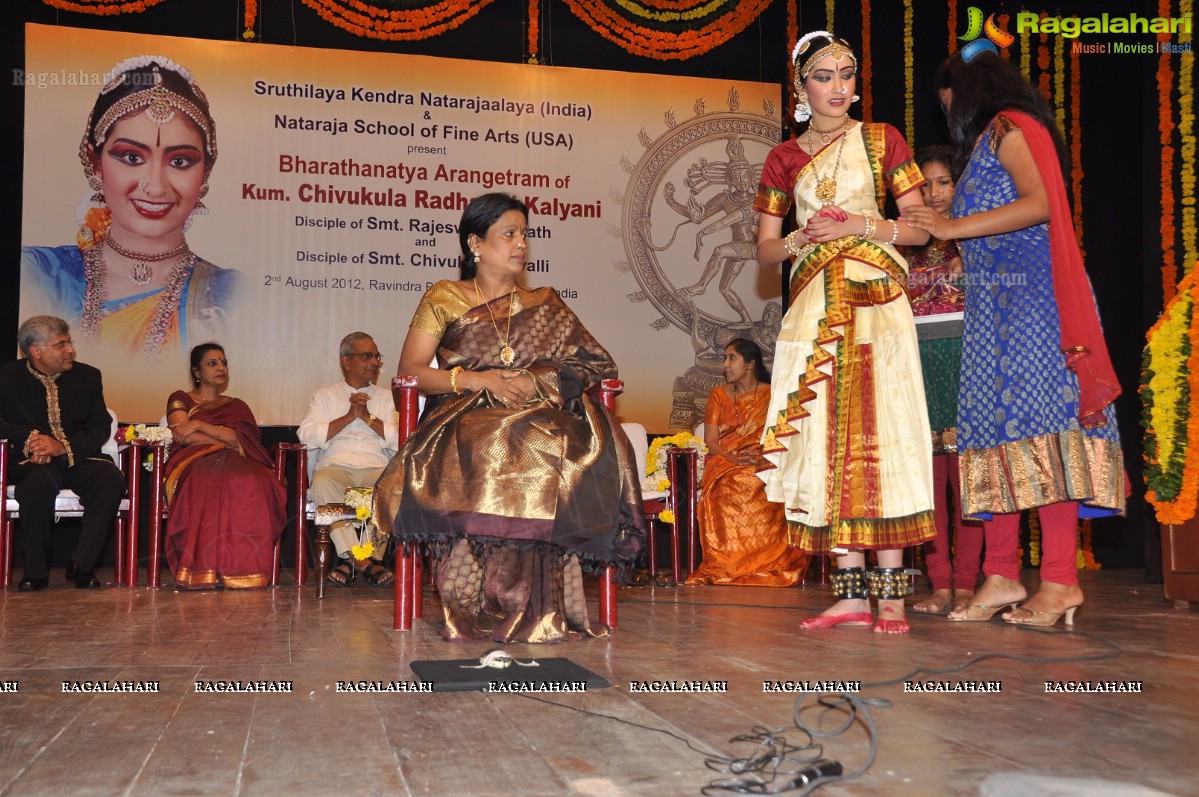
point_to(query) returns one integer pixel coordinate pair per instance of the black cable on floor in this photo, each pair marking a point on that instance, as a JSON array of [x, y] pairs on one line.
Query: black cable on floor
[[775, 765]]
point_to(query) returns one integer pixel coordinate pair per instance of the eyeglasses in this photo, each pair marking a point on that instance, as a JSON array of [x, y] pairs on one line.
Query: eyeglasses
[[367, 356]]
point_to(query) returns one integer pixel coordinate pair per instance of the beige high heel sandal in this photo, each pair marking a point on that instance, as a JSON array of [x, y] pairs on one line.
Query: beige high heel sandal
[[1044, 619], [981, 613]]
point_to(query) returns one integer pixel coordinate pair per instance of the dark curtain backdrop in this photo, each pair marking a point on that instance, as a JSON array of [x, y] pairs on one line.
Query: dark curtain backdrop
[[1119, 154]]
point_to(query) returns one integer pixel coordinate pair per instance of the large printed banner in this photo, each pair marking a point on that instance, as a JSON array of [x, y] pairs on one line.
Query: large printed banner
[[339, 181]]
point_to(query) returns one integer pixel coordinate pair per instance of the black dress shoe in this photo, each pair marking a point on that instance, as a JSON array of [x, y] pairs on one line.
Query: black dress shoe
[[83, 579], [33, 584]]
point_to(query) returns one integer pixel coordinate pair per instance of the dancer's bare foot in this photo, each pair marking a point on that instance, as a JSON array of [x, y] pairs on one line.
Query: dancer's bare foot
[[937, 603], [996, 593], [849, 611], [962, 598], [1050, 601], [891, 618]]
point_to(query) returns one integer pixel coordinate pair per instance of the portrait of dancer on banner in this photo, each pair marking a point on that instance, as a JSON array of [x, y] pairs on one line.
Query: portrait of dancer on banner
[[131, 281]]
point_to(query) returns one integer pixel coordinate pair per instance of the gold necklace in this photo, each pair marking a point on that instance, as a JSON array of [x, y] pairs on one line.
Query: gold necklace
[[507, 353], [826, 135], [826, 187], [140, 273]]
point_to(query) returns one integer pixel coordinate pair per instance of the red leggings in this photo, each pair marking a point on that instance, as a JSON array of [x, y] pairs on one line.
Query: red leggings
[[962, 571], [1059, 544]]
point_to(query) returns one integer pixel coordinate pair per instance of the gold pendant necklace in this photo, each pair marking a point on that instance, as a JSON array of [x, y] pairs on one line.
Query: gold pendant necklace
[[507, 353], [140, 273], [826, 187]]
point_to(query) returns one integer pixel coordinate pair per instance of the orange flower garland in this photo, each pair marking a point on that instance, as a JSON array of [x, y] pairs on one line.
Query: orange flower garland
[[1171, 448], [909, 62], [865, 73], [534, 30], [1086, 554], [104, 8], [953, 26], [1186, 140], [409, 24], [1165, 132], [689, 28], [1076, 174], [251, 17]]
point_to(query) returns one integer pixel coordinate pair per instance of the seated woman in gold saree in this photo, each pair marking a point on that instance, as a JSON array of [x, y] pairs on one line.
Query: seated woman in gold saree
[[515, 477], [226, 506], [743, 536]]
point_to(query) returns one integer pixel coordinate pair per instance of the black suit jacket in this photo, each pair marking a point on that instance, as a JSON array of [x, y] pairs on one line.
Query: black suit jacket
[[86, 423]]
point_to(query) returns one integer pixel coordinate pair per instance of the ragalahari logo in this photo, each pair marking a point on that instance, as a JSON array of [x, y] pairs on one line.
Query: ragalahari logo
[[975, 27]]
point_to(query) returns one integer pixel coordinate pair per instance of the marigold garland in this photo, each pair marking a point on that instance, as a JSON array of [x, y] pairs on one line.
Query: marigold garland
[[1165, 132], [867, 70], [1169, 379], [909, 62], [1026, 56], [1043, 65], [953, 26], [1034, 538], [830, 9], [534, 30], [1186, 139], [251, 16], [104, 8], [1086, 554], [1059, 83], [1076, 173], [687, 29], [412, 21]]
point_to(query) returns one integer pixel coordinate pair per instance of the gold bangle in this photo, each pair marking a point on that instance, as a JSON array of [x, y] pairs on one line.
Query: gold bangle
[[457, 369], [894, 231], [790, 245]]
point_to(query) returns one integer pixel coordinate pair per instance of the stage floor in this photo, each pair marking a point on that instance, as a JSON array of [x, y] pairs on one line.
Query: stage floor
[[317, 740]]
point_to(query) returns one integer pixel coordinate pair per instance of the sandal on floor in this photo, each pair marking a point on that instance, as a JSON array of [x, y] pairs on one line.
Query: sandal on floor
[[637, 578], [664, 578], [377, 575], [343, 575]]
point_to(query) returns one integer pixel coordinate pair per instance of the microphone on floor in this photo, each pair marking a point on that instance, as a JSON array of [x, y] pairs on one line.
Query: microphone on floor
[[824, 768]]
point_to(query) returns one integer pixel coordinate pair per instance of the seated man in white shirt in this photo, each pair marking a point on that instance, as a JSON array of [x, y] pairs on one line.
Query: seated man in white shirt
[[352, 432]]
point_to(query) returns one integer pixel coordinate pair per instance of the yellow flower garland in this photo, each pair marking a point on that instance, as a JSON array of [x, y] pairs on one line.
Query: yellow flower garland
[[1169, 381]]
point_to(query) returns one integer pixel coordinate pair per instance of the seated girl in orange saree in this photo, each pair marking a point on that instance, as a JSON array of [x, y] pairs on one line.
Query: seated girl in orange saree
[[744, 536], [226, 506]]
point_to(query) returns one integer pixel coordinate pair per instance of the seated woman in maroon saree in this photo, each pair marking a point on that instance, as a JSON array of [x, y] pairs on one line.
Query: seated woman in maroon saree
[[226, 506], [515, 477]]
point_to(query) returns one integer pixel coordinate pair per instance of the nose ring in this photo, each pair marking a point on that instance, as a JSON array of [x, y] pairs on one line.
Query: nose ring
[[142, 183]]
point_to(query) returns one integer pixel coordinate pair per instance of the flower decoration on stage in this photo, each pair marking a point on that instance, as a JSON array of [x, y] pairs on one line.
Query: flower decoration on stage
[[150, 434], [361, 500], [666, 31], [397, 20], [1169, 383], [103, 8], [659, 449], [666, 516]]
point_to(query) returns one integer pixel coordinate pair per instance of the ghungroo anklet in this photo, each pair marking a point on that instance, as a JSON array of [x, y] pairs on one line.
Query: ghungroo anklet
[[890, 583], [849, 583]]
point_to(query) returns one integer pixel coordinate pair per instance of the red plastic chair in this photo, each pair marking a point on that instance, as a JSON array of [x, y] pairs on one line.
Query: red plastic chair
[[408, 598]]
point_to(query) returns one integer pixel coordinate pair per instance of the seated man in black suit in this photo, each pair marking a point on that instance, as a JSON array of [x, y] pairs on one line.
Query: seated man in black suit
[[52, 412]]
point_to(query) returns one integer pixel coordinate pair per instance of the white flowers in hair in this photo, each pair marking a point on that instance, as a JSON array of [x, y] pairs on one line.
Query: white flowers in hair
[[144, 62], [807, 37]]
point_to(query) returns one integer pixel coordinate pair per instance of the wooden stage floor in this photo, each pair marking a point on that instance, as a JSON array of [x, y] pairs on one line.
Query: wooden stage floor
[[319, 741]]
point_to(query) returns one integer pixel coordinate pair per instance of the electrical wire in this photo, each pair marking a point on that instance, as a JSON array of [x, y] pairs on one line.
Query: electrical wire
[[775, 765]]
